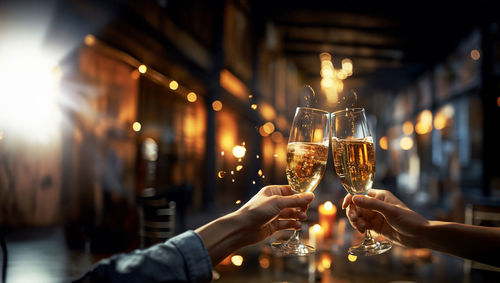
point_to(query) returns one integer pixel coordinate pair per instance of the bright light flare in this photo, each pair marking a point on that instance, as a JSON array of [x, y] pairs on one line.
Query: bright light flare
[[239, 151], [237, 260], [142, 69], [174, 85], [192, 97], [29, 86], [136, 126]]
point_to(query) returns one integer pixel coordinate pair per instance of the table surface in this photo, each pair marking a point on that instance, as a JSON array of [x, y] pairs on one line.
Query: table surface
[[40, 255]]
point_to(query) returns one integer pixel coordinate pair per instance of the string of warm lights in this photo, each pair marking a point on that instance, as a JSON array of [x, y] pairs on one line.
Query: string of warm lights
[[266, 111], [332, 79]]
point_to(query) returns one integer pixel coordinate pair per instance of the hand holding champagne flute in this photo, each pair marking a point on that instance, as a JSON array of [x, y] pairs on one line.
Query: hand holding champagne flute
[[354, 161], [307, 152]]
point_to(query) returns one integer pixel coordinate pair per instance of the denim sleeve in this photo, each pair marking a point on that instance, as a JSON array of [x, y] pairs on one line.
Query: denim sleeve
[[183, 258]]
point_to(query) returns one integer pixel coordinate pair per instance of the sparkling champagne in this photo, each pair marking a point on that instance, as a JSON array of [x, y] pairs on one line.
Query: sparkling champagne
[[306, 163], [354, 161]]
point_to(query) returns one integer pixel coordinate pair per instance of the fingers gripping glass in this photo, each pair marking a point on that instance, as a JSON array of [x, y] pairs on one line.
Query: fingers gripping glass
[[354, 161], [307, 152]]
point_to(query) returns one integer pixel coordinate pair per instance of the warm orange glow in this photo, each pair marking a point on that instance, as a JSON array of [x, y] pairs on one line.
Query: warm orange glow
[[352, 258], [325, 56], [424, 124], [329, 206], [326, 260], [316, 228], [347, 66], [498, 101], [318, 135], [383, 143], [238, 201], [135, 74], [277, 137], [136, 126], [262, 132], [192, 97], [233, 85], [475, 55], [237, 260], [341, 75], [217, 105], [406, 143], [239, 151], [439, 122], [327, 213], [407, 128], [282, 123], [326, 82], [254, 106], [267, 111], [260, 172], [264, 262], [227, 140], [221, 174], [142, 69], [173, 85], [268, 128], [89, 40], [239, 167]]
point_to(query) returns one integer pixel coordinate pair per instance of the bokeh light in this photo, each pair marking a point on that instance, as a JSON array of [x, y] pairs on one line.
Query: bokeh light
[[173, 85], [237, 260], [142, 69], [475, 54], [383, 143], [217, 105], [136, 126], [192, 97], [239, 151], [406, 143]]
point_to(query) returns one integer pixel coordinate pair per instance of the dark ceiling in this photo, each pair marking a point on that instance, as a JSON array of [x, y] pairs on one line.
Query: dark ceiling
[[389, 42]]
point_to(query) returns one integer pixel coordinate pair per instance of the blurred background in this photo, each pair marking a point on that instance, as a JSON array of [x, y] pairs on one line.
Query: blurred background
[[126, 122]]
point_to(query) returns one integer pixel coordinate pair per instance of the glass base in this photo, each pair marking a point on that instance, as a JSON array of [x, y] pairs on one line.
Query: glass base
[[371, 248], [292, 247]]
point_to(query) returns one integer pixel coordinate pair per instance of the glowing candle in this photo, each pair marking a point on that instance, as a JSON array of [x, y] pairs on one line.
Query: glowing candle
[[327, 213], [315, 235]]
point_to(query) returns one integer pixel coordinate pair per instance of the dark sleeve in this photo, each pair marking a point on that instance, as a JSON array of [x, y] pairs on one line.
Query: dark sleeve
[[180, 259]]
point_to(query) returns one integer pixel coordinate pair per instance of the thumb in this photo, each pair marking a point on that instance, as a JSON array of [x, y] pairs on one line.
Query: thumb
[[384, 208]]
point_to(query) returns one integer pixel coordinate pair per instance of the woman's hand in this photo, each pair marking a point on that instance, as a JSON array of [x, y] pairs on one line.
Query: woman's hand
[[385, 214]]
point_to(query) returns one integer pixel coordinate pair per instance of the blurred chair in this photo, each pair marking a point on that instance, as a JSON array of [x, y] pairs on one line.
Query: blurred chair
[[156, 218], [485, 213]]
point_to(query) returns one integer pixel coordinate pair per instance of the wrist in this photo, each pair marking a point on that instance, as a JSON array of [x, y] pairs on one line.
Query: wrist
[[222, 236]]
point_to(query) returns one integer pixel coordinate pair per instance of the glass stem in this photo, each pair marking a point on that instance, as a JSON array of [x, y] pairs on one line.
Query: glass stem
[[368, 238], [295, 236]]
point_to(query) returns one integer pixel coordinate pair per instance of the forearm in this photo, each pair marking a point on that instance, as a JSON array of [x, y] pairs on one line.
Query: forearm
[[222, 236], [478, 243]]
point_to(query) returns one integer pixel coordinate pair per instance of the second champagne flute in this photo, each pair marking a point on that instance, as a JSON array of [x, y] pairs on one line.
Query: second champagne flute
[[354, 161], [307, 152]]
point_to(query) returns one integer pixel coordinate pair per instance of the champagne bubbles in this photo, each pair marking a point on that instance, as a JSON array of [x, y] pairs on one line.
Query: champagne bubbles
[[309, 96], [348, 100]]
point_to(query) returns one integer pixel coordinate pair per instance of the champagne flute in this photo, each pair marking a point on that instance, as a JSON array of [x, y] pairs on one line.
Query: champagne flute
[[307, 152], [354, 161]]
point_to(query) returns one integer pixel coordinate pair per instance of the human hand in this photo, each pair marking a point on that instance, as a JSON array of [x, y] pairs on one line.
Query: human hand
[[385, 214], [272, 209]]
